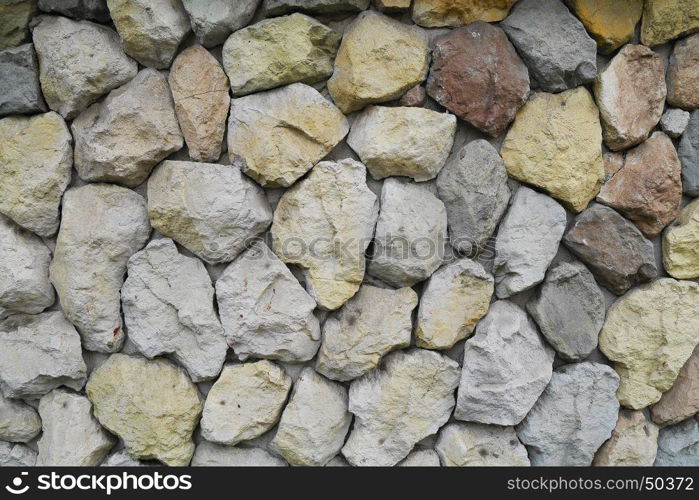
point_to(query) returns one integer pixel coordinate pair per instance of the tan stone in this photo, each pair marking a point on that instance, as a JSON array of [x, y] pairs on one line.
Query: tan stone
[[682, 400], [555, 144], [392, 5], [665, 20], [681, 244], [610, 22], [683, 74], [634, 442], [438, 13], [15, 15]]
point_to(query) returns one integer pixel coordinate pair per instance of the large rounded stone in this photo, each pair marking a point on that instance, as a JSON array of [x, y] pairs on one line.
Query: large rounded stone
[[612, 23], [665, 20], [680, 248], [19, 422], [683, 74], [439, 13]]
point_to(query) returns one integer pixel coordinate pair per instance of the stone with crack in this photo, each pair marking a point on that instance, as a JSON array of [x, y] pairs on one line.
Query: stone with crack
[[19, 422], [19, 76], [213, 20], [216, 455], [473, 444], [634, 442]]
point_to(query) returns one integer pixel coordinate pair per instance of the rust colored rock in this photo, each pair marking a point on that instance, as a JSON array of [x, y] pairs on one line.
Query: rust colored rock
[[477, 75], [648, 189], [414, 98], [682, 400], [683, 74]]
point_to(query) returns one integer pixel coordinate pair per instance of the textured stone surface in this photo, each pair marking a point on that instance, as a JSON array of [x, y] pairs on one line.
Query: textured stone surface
[[16, 15], [372, 323], [281, 134], [16, 455], [683, 73], [213, 20], [277, 7], [555, 144], [24, 271], [122, 138], [634, 442], [279, 51], [472, 444], [674, 122], [315, 421], [630, 92], [151, 405], [574, 416], [19, 77], [682, 400], [414, 97], [612, 247], [245, 402], [90, 259], [397, 406], [72, 437], [612, 164], [649, 334], [410, 234], [506, 367], [421, 458], [264, 310], [453, 301], [438, 13], [35, 162], [39, 353], [378, 60], [477, 75], [569, 309], [688, 152], [151, 30], [19, 422], [332, 205], [611, 23], [200, 91], [79, 61], [527, 241], [678, 445], [168, 303], [215, 455], [120, 459], [553, 43], [405, 141], [665, 20], [212, 210], [82, 9]]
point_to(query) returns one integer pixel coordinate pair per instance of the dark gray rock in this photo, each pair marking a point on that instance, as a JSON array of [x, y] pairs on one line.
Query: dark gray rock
[[678, 445], [81, 9], [19, 81], [688, 152]]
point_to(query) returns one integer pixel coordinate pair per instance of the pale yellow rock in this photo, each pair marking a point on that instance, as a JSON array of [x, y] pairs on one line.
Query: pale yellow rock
[[649, 334], [634, 442], [555, 144], [438, 13], [665, 20], [14, 20], [681, 244], [379, 60], [610, 22], [151, 404]]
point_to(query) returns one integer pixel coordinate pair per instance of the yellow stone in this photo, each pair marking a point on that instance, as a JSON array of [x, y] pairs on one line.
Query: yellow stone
[[555, 144], [439, 13], [681, 244], [610, 22], [14, 21], [665, 20]]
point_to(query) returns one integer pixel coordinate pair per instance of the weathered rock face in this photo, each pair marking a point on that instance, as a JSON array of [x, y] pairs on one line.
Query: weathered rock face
[[378, 60], [473, 187], [689, 156], [683, 74], [397, 406], [405, 141], [277, 7], [612, 164], [527, 241], [200, 91], [649, 334], [213, 20], [151, 30], [569, 310], [24, 271], [281, 134], [612, 247], [573, 417], [279, 51], [16, 15], [123, 137], [79, 61], [265, 311], [421, 458], [332, 205], [245, 402], [315, 421], [553, 43], [630, 92], [414, 97], [665, 20], [634, 442], [453, 301], [72, 437], [19, 77], [152, 405], [682, 400], [438, 13], [555, 144], [410, 234], [39, 353], [678, 445], [611, 23], [215, 455], [19, 422], [680, 249], [477, 75], [17, 455], [168, 303], [506, 367], [90, 258], [674, 122], [35, 163], [212, 210], [81, 9], [369, 325], [469, 445]]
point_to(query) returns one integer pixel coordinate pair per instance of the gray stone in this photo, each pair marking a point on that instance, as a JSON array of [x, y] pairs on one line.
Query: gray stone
[[688, 152], [553, 43], [19, 422], [103, 226], [421, 458], [468, 445], [473, 187], [569, 309], [213, 20], [674, 122], [573, 417], [216, 455], [527, 241], [277, 7], [121, 459], [39, 353], [678, 445], [168, 304], [81, 9], [16, 455], [19, 78]]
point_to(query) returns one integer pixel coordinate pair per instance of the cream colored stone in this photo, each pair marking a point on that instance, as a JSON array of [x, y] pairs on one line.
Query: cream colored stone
[[681, 244], [472, 444], [439, 13], [634, 442]]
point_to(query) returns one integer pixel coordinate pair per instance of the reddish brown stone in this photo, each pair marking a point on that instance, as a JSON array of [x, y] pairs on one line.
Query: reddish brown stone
[[414, 98], [683, 74], [648, 189], [682, 400], [477, 75], [612, 164]]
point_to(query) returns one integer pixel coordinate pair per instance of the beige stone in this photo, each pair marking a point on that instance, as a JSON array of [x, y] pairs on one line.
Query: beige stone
[[665, 20], [634, 442], [681, 244], [439, 13], [610, 22], [472, 444], [682, 400]]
